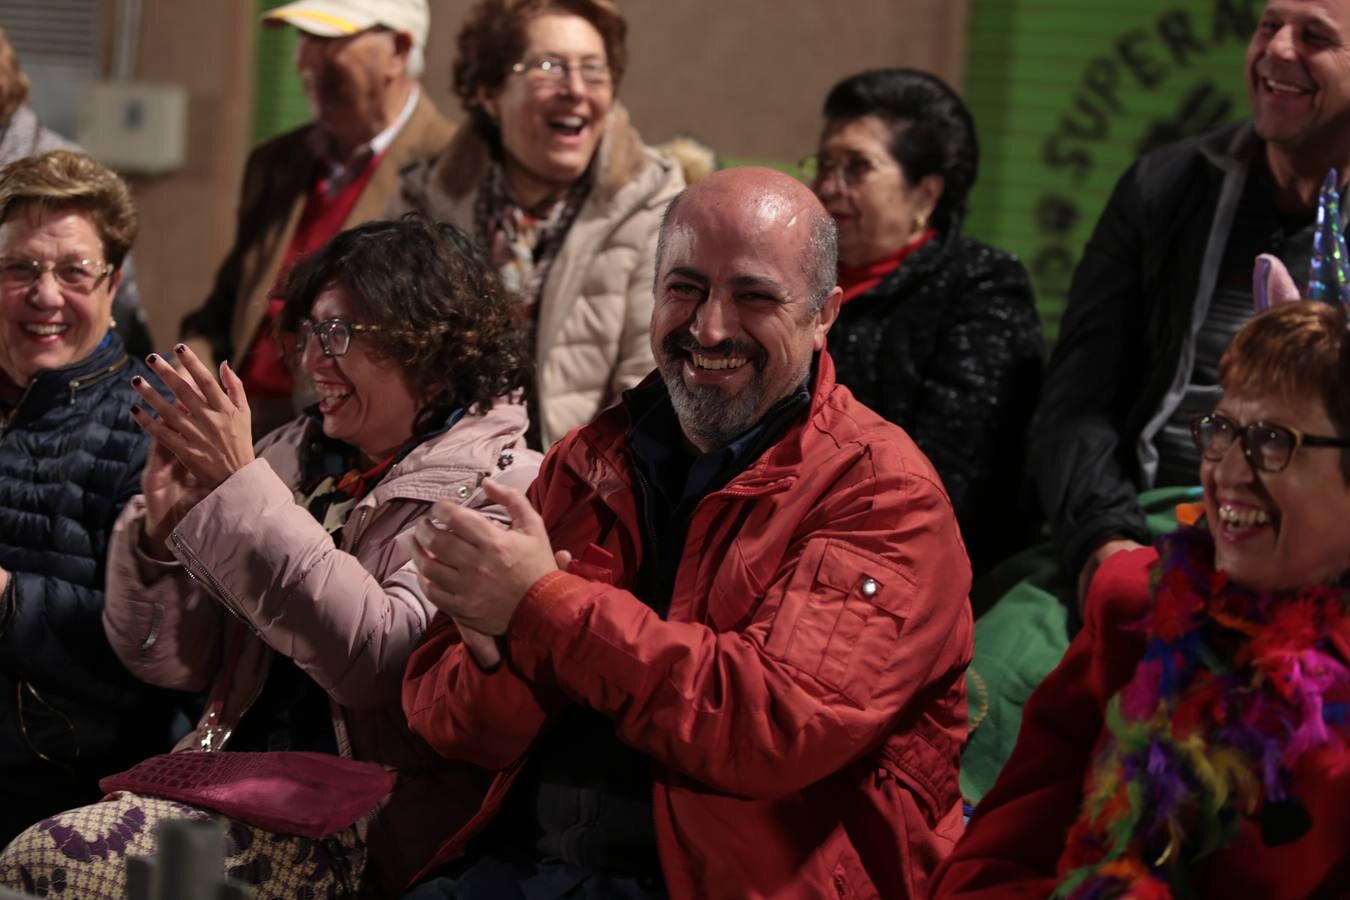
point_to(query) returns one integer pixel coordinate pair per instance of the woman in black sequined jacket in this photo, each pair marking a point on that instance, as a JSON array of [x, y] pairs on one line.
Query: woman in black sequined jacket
[[938, 332]]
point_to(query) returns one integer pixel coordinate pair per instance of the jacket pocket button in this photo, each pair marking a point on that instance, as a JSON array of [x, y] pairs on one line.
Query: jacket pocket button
[[461, 492], [869, 588]]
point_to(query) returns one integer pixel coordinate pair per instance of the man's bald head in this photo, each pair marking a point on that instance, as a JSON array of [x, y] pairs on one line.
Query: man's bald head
[[745, 297], [771, 195]]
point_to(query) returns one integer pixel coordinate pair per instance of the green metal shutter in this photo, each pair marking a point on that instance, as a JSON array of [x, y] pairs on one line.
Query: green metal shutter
[[278, 99], [1067, 93]]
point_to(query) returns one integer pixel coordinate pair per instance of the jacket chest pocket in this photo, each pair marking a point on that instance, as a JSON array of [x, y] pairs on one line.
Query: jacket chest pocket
[[841, 618]]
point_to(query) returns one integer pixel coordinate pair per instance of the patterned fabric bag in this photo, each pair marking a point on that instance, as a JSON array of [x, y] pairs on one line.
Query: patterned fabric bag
[[82, 854]]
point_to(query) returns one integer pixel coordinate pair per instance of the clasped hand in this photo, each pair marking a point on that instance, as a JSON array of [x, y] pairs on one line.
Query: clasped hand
[[476, 571]]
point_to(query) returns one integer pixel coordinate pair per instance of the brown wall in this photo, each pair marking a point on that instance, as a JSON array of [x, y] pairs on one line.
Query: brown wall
[[187, 217], [749, 76], [746, 76]]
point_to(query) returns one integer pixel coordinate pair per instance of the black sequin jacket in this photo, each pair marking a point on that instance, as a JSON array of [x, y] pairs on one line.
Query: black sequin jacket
[[948, 346]]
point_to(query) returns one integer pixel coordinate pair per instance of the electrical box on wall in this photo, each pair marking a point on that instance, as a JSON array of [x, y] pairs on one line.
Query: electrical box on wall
[[135, 126]]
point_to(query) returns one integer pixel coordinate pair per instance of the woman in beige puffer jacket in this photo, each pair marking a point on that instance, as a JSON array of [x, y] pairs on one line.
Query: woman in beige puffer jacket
[[524, 155]]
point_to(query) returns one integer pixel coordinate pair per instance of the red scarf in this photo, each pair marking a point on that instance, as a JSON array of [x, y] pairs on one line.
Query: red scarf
[[856, 280]]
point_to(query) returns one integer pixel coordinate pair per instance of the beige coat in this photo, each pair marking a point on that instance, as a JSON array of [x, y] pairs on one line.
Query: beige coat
[[348, 615], [596, 305]]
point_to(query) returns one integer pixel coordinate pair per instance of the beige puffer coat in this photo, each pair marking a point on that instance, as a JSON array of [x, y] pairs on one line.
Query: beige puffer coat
[[348, 615], [596, 305]]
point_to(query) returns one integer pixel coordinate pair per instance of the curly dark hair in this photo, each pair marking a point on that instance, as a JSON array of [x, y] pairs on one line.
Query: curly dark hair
[[932, 131], [444, 318], [493, 40]]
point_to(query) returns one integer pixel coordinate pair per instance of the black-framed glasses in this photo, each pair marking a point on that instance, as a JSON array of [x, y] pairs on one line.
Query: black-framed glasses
[[851, 170], [550, 71], [1268, 447], [335, 334], [78, 275]]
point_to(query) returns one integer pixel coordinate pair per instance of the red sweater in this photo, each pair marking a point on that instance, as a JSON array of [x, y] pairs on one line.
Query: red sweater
[[858, 280], [803, 703], [265, 371]]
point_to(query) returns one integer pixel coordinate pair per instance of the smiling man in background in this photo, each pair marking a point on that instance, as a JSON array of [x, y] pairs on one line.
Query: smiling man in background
[[1165, 283], [747, 678], [358, 61]]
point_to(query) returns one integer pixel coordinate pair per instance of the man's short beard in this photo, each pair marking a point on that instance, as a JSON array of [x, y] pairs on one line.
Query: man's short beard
[[711, 416]]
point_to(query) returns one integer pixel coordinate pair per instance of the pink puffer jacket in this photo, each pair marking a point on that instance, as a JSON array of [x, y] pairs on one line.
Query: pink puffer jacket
[[348, 615]]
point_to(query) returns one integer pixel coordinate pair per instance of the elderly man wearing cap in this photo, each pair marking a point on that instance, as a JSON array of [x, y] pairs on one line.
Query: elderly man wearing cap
[[359, 61]]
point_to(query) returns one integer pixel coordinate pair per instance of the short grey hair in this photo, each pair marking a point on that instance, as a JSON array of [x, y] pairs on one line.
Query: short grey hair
[[820, 265], [417, 61]]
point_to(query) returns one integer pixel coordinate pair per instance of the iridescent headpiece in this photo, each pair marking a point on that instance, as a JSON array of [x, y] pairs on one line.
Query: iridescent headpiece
[[1329, 273]]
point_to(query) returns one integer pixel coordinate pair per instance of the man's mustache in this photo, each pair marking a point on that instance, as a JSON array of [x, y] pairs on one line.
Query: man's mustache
[[684, 342]]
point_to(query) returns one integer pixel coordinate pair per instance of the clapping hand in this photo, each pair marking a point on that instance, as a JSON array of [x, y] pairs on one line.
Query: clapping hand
[[476, 571], [170, 492], [207, 429]]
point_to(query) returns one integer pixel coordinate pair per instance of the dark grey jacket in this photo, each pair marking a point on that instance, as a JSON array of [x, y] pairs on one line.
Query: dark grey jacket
[[1126, 344]]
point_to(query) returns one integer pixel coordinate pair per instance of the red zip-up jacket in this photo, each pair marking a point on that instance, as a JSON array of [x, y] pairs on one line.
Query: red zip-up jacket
[[804, 701]]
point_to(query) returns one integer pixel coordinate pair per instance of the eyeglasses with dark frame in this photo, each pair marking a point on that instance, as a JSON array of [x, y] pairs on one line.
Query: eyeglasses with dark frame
[[851, 170], [551, 71], [1268, 447], [79, 275], [335, 334]]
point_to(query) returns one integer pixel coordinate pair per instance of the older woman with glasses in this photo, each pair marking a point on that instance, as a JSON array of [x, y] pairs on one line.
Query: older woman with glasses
[[70, 459], [557, 186], [1193, 742], [279, 579], [937, 331]]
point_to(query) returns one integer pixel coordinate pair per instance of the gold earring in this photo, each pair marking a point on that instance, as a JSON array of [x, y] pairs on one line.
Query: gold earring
[[920, 222]]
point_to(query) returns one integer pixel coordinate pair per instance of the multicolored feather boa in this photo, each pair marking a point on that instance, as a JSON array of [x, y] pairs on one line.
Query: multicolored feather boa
[[1233, 688]]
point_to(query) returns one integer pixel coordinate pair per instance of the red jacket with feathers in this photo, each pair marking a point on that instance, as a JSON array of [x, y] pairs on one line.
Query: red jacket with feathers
[[1013, 846]]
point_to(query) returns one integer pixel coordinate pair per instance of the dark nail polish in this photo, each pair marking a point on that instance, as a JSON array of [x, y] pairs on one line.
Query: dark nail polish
[[137, 381], [152, 359], [135, 411], [180, 348]]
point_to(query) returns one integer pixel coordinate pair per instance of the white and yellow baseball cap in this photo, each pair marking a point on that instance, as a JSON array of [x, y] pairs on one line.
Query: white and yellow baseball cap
[[338, 18]]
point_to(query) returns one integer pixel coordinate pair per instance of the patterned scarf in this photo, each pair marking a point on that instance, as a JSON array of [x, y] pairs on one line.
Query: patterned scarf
[[1234, 687], [332, 481], [522, 243]]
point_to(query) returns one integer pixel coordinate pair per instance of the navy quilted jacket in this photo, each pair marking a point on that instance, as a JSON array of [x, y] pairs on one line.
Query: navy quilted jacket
[[70, 459]]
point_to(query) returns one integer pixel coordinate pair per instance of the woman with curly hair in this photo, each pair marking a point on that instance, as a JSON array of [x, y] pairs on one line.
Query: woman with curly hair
[[557, 186], [278, 578]]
